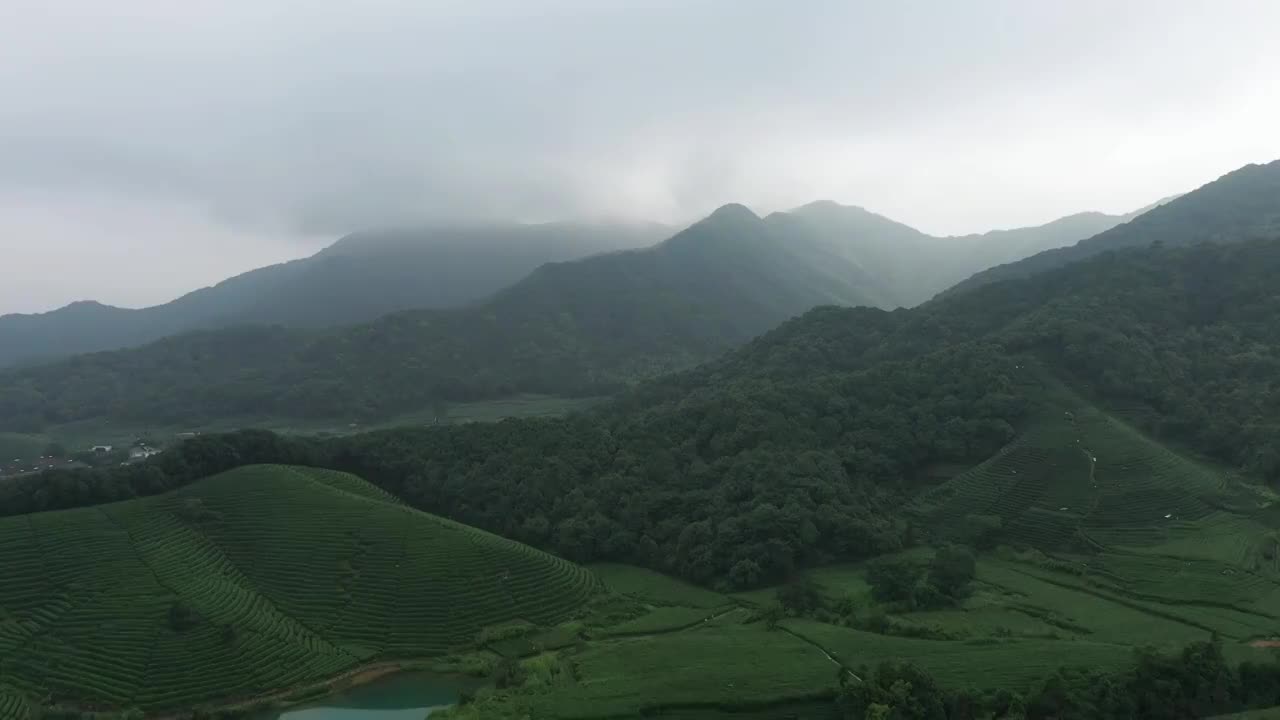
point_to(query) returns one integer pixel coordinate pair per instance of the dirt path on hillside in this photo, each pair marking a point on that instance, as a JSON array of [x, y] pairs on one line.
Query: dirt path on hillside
[[823, 650]]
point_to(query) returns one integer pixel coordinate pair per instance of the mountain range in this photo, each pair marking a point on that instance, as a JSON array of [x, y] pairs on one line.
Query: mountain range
[[587, 326], [1103, 435], [367, 275], [1240, 205], [359, 278], [906, 267]]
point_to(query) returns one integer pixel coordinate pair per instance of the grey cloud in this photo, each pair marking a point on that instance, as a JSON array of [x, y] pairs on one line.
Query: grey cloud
[[284, 118]]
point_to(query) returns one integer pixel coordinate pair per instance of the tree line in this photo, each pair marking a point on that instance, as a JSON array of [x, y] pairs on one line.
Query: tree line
[[1197, 682]]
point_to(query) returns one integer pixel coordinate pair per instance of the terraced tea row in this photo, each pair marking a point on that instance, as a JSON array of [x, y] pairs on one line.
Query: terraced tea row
[[1079, 480], [1007, 663], [12, 706], [251, 581]]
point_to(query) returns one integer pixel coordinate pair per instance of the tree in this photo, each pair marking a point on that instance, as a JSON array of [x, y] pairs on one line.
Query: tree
[[772, 615], [952, 570], [508, 673], [799, 595], [744, 573], [893, 579], [894, 690], [982, 531], [182, 617]]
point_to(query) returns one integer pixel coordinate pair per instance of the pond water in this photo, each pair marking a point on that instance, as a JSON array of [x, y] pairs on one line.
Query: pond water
[[404, 696]]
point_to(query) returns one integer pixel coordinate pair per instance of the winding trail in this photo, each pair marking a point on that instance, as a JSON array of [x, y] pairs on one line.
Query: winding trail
[[823, 650]]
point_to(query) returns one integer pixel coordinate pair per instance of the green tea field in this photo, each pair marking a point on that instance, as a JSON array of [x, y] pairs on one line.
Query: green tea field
[[1117, 512], [1105, 541], [12, 705], [255, 580]]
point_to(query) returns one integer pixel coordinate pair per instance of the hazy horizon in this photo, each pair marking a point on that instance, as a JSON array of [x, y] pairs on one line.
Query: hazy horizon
[[149, 149], [308, 246]]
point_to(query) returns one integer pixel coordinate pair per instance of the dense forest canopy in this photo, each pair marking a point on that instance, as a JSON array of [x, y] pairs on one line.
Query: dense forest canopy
[[801, 447]]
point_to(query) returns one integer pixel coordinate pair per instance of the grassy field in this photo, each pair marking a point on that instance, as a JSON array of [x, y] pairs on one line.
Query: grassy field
[[659, 620], [1267, 714], [258, 579], [1012, 663], [655, 588], [736, 666], [16, 446]]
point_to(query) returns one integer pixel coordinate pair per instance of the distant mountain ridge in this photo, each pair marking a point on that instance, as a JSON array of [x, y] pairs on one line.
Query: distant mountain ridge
[[366, 275], [358, 278], [1241, 205], [586, 326], [910, 267]]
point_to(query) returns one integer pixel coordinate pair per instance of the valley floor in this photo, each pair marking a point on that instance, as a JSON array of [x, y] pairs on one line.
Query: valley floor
[[1105, 543], [690, 650], [23, 450]]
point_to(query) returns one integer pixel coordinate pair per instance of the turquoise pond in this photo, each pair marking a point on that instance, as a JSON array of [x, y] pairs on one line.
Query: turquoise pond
[[406, 696]]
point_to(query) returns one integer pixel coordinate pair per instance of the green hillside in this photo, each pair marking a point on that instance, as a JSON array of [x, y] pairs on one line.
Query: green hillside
[[1241, 205], [1105, 435], [582, 327], [805, 446], [1081, 479], [360, 277], [1123, 518], [253, 580]]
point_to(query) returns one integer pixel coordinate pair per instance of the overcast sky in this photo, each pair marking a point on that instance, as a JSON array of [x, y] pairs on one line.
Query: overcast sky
[[148, 147]]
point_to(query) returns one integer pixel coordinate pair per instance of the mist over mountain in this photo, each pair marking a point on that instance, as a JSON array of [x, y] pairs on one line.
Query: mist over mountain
[[589, 326], [584, 326], [360, 277], [1241, 205], [569, 359], [907, 267], [366, 275]]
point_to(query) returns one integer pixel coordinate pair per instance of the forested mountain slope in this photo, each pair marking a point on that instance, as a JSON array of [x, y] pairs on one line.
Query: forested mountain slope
[[809, 444], [1240, 205], [359, 278], [587, 326], [806, 445], [578, 327]]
